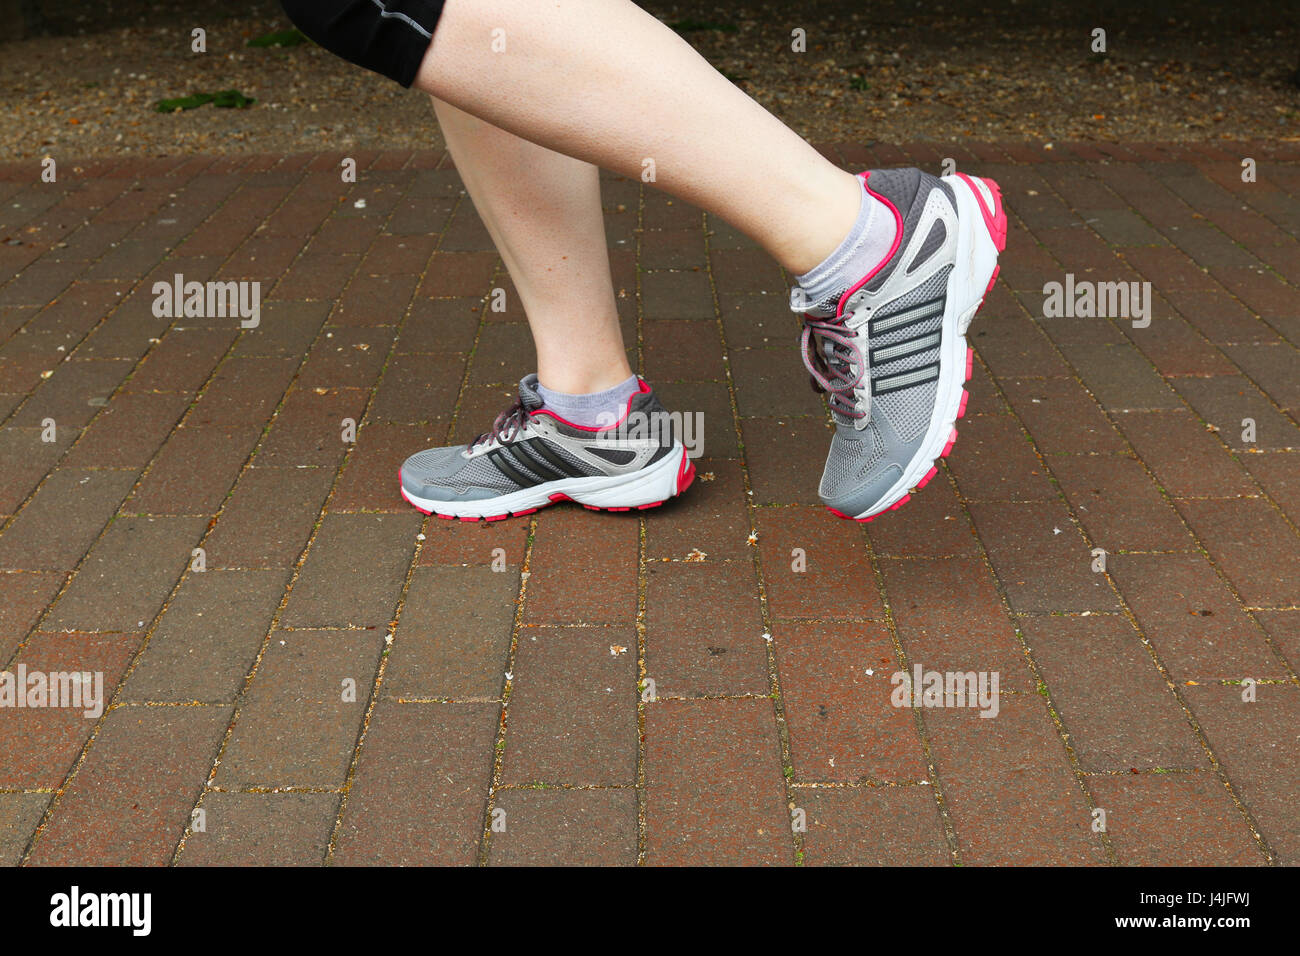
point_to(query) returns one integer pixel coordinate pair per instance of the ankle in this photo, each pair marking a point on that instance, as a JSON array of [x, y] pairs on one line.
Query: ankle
[[834, 200]]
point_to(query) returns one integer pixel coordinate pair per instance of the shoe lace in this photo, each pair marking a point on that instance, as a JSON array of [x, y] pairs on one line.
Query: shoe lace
[[834, 360], [506, 425]]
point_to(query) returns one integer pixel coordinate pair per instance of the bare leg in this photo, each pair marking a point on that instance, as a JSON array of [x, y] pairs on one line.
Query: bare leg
[[543, 211], [604, 81]]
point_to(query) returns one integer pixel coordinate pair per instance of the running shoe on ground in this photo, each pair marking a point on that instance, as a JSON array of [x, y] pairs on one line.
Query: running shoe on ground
[[531, 458], [893, 358]]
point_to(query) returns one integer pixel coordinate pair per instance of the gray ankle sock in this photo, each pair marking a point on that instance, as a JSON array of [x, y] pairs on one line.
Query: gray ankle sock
[[866, 245], [594, 409]]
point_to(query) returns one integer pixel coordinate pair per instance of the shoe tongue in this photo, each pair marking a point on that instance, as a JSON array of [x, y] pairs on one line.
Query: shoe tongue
[[528, 393]]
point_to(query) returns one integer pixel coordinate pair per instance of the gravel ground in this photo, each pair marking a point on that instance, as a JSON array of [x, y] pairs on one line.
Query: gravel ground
[[884, 71]]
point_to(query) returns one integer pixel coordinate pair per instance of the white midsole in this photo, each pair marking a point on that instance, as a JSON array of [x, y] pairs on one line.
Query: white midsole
[[650, 485], [977, 256]]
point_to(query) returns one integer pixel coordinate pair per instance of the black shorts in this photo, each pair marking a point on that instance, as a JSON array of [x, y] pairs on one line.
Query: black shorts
[[387, 36]]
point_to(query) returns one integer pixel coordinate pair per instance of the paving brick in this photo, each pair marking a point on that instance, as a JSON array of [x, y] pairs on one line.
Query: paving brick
[[573, 708], [1255, 742], [768, 384], [347, 358], [80, 307], [261, 829], [1008, 787], [421, 388], [690, 652], [994, 461], [672, 248], [43, 743], [23, 598], [554, 827], [1113, 701], [299, 719], [1279, 475], [195, 469], [713, 784], [711, 517], [1256, 551], [453, 638], [505, 354], [1121, 378], [208, 638], [20, 814], [682, 350], [835, 582], [873, 826], [934, 524], [243, 391], [285, 330], [354, 572], [1226, 401], [1284, 629], [779, 474], [128, 432], [369, 479], [322, 277], [1272, 367], [1184, 819], [130, 801], [27, 459], [1061, 416], [420, 762], [267, 520], [62, 519], [1040, 559], [843, 725], [1220, 318], [374, 300], [676, 295], [1119, 505], [747, 270], [183, 360], [74, 393], [755, 321], [474, 543], [1185, 457], [440, 325], [127, 575], [1009, 342], [453, 274], [308, 429], [950, 618], [1191, 618], [707, 406], [584, 568]]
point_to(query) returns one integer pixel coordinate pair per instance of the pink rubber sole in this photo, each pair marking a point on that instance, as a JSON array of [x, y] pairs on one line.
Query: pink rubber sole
[[996, 221], [685, 475]]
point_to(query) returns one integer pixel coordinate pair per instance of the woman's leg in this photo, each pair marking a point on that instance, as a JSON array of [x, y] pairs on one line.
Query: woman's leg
[[543, 211], [606, 82]]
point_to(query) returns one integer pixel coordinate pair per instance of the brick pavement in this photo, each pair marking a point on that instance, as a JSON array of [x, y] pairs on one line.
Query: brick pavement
[[301, 669]]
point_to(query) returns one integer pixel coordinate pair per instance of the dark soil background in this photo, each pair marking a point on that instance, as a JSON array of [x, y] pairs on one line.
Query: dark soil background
[[85, 77]]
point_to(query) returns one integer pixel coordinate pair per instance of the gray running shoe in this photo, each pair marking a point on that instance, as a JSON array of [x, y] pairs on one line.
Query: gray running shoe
[[531, 458], [893, 357]]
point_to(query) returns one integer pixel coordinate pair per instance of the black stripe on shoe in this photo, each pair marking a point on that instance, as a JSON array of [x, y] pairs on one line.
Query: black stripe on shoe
[[569, 469], [506, 465], [902, 380], [527, 455], [906, 347]]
